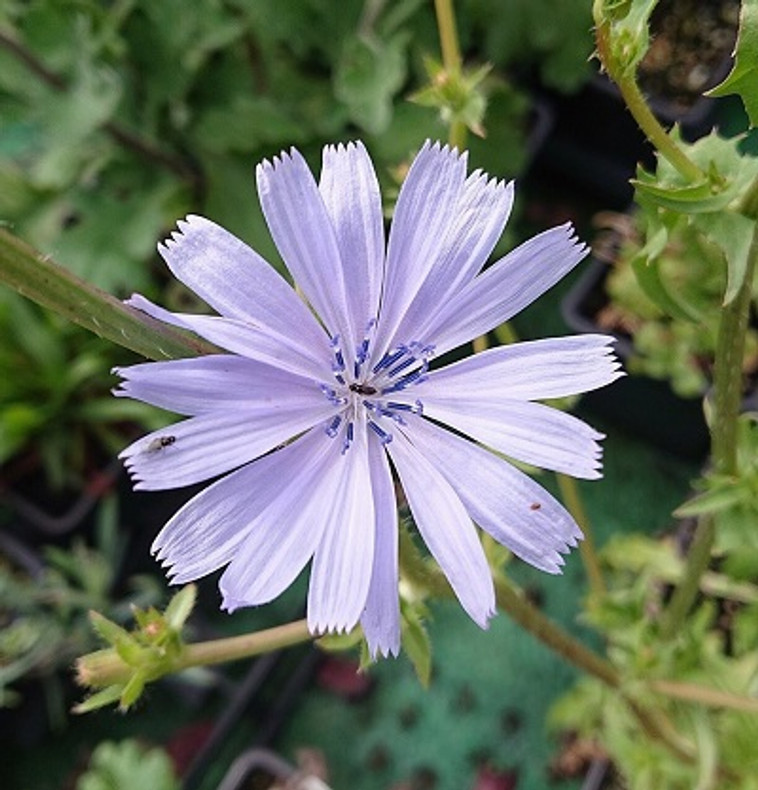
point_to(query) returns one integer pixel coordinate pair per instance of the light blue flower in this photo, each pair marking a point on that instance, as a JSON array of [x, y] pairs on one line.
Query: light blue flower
[[315, 403]]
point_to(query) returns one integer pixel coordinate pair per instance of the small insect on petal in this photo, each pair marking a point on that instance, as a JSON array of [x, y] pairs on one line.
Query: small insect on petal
[[535, 506], [160, 443]]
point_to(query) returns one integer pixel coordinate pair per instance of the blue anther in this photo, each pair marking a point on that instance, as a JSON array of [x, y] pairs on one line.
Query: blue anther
[[389, 359], [333, 427], [413, 408], [348, 440], [384, 437], [402, 366], [412, 378]]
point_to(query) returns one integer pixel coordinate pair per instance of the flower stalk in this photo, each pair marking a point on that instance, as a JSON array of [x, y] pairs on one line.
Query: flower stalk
[[727, 385], [105, 668], [36, 277]]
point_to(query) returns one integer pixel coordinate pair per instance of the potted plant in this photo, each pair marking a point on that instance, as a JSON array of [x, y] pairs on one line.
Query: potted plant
[[597, 141]]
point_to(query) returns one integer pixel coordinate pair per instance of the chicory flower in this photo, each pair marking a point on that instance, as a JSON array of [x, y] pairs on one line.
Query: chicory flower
[[316, 401]]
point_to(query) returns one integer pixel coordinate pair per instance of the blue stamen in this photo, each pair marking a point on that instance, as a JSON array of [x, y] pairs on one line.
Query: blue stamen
[[333, 427], [384, 437], [389, 359], [414, 408], [402, 366], [348, 438], [412, 378]]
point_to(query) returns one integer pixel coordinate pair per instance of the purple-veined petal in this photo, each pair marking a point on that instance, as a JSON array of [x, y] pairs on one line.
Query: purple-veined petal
[[502, 500], [243, 338], [206, 384], [480, 219], [208, 531], [381, 617], [210, 444], [506, 288], [304, 235], [531, 370], [350, 191], [446, 529], [529, 432], [237, 282], [425, 210], [341, 571], [287, 532]]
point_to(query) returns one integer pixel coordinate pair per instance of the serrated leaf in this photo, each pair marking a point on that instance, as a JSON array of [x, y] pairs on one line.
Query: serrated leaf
[[417, 645], [727, 174], [743, 78], [712, 501], [733, 234]]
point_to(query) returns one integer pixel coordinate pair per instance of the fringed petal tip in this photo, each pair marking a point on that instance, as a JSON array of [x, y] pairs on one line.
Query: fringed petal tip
[[287, 158], [335, 626]]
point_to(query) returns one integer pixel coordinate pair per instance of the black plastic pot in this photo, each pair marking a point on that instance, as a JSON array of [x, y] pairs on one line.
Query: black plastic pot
[[644, 407], [596, 142]]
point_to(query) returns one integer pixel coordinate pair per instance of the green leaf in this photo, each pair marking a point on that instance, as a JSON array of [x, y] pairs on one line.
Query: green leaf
[[180, 607], [417, 645], [728, 173], [99, 699], [733, 234], [718, 498], [743, 78], [369, 74], [648, 275]]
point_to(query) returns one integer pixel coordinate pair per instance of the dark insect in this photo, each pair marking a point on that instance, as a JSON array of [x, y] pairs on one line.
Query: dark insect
[[362, 389], [159, 443], [535, 506]]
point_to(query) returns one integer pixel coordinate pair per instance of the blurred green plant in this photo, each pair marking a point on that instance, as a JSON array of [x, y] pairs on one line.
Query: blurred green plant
[[674, 329], [44, 607], [128, 765], [713, 661], [55, 401]]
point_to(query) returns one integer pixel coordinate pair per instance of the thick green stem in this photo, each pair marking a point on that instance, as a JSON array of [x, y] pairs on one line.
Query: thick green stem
[[573, 501], [727, 396], [106, 668], [38, 278]]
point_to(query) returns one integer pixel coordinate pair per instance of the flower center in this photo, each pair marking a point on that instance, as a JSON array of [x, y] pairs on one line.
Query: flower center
[[357, 387]]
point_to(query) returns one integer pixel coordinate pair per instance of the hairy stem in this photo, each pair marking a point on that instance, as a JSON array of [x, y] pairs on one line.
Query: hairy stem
[[451, 59], [105, 667], [727, 387], [639, 108], [36, 277]]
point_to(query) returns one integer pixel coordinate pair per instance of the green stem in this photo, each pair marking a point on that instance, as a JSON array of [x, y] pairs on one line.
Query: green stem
[[106, 668], [727, 387], [36, 277], [451, 59], [451, 53], [635, 101], [573, 501]]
